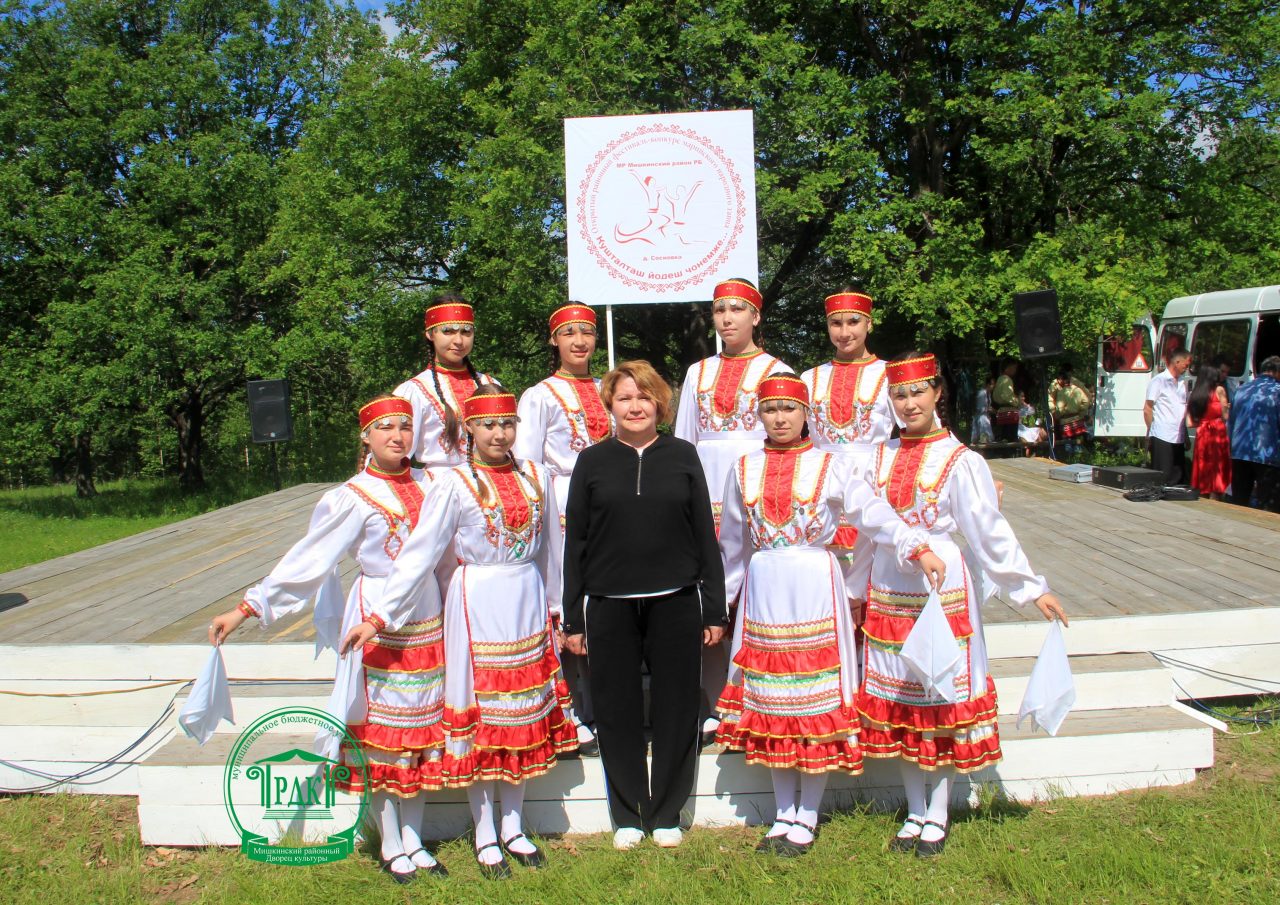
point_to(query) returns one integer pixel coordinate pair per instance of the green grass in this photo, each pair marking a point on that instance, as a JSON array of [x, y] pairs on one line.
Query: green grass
[[1215, 841], [39, 523]]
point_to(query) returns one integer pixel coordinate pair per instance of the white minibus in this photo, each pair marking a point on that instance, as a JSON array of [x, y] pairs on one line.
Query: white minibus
[[1237, 327]]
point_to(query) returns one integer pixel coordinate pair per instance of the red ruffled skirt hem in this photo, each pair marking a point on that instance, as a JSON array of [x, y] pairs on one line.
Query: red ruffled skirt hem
[[510, 764], [403, 781], [893, 630], [932, 736], [788, 663], [815, 743], [391, 738]]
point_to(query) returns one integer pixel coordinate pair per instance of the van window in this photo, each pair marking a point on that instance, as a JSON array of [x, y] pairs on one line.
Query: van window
[[1132, 354], [1215, 342], [1173, 338], [1268, 342]]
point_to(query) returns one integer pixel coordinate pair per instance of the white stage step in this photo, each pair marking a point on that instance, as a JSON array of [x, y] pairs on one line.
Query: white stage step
[[62, 736], [181, 803], [1103, 682]]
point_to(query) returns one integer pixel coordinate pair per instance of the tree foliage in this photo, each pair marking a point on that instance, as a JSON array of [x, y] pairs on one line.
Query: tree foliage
[[201, 192], [143, 148]]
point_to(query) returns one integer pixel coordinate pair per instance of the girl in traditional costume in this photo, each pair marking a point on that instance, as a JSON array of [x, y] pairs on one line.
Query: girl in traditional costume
[[850, 413], [717, 414], [504, 721], [370, 518], [936, 483], [790, 700], [559, 418], [438, 393]]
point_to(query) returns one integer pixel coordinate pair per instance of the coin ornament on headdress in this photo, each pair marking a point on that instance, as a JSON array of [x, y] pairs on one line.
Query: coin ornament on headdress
[[783, 386], [912, 370], [849, 303], [571, 314], [447, 313], [384, 408], [493, 405], [738, 289]]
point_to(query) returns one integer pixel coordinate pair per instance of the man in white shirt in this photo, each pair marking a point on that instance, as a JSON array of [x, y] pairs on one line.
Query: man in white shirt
[[1165, 413]]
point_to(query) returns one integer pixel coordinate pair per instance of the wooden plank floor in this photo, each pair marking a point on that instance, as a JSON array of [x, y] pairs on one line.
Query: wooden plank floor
[[1105, 556]]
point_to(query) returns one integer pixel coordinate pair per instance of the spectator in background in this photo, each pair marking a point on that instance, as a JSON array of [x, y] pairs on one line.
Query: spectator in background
[[1031, 427], [1069, 402], [1165, 413], [1207, 409], [1229, 383], [1255, 439], [1005, 399], [982, 432]]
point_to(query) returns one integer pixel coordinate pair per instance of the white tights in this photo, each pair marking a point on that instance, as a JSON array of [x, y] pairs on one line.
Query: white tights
[[797, 798], [920, 809], [483, 797], [400, 825]]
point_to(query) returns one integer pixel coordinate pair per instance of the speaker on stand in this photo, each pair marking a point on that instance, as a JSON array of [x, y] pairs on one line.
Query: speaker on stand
[[270, 420], [1039, 328]]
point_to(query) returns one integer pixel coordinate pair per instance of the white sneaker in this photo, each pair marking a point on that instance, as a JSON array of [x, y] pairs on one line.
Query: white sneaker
[[668, 837], [627, 837]]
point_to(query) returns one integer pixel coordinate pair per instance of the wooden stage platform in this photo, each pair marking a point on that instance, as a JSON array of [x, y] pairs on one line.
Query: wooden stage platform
[[1167, 600]]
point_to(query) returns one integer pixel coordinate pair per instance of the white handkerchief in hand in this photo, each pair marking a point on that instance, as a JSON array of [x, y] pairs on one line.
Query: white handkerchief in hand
[[209, 702], [1051, 691], [347, 702], [330, 607], [931, 651]]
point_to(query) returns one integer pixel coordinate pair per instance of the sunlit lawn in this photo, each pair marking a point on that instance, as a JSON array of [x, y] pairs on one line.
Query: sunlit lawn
[[39, 523], [1216, 841]]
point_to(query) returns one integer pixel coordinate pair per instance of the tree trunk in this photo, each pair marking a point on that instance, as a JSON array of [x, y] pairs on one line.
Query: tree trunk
[[189, 419], [84, 467]]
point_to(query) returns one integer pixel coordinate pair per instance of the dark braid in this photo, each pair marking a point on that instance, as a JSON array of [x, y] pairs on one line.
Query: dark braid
[[362, 455], [452, 429], [537, 491], [481, 489]]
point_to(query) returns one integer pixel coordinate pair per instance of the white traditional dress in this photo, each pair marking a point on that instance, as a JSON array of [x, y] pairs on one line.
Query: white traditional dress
[[456, 387], [504, 694], [790, 700], [938, 484], [559, 418], [850, 410], [370, 518], [717, 412], [850, 414]]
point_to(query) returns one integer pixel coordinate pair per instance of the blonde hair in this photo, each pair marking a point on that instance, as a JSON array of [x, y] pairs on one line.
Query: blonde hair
[[494, 389], [647, 381]]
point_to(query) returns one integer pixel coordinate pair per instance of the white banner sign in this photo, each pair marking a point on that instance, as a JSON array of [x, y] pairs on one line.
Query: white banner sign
[[660, 208]]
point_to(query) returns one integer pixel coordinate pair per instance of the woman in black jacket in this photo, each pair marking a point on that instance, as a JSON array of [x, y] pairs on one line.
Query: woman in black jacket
[[643, 583]]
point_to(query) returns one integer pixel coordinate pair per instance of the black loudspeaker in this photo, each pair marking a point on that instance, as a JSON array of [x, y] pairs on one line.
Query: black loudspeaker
[[269, 416], [1039, 329]]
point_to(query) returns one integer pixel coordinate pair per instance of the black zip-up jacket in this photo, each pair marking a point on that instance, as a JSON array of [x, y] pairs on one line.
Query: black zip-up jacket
[[639, 521]]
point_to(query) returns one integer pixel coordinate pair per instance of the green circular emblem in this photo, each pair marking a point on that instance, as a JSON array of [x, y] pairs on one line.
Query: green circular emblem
[[289, 804]]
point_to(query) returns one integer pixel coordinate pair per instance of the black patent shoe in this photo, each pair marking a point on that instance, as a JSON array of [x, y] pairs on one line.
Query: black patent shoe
[[769, 844], [499, 871], [535, 859], [906, 844], [589, 749], [403, 879], [788, 849], [434, 870], [931, 849]]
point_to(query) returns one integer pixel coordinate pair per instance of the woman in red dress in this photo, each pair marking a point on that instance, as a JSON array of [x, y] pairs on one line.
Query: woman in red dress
[[1207, 410]]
